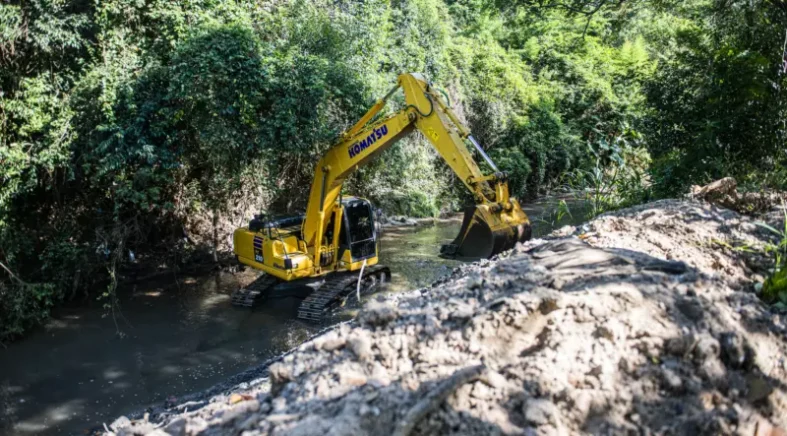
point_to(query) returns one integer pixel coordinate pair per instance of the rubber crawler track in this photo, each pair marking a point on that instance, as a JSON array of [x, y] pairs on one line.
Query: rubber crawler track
[[334, 289], [250, 295]]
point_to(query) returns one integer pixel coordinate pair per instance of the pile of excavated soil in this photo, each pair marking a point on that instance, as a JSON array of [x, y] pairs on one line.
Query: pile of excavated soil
[[648, 326], [713, 240]]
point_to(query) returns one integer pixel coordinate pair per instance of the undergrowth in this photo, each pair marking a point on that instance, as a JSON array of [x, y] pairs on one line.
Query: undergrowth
[[774, 289]]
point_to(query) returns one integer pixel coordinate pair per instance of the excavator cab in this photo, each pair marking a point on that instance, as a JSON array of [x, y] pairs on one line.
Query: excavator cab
[[359, 233]]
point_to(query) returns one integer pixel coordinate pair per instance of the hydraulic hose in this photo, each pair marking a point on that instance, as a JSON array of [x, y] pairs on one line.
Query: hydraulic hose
[[431, 107], [447, 98]]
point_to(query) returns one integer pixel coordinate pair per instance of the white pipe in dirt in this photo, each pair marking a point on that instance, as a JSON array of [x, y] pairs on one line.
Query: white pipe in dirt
[[360, 277]]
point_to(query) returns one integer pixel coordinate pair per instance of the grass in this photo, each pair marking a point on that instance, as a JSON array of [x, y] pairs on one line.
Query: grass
[[774, 289], [607, 190], [556, 214]]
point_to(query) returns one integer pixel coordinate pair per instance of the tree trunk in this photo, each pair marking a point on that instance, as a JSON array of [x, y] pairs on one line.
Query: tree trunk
[[215, 236]]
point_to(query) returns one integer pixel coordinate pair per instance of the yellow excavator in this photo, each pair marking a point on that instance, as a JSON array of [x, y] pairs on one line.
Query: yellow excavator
[[318, 255]]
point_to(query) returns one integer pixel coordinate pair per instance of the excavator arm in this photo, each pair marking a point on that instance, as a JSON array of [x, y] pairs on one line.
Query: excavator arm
[[494, 224]]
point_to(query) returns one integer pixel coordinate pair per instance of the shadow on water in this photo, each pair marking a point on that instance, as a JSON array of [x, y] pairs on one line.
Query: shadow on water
[[180, 336], [175, 338]]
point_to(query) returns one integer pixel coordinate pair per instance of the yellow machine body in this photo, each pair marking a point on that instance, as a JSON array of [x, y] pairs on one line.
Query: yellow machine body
[[276, 247], [286, 258], [334, 234]]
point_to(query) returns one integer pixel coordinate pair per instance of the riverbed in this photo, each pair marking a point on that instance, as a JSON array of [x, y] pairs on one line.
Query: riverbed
[[178, 335]]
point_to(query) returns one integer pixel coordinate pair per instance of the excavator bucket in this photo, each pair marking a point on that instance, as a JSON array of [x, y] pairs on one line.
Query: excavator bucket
[[486, 232]]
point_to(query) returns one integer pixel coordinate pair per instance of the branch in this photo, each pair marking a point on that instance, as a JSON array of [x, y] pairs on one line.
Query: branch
[[580, 9], [435, 398], [14, 276]]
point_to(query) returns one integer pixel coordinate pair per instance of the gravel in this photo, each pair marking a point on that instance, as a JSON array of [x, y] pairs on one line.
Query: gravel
[[643, 321]]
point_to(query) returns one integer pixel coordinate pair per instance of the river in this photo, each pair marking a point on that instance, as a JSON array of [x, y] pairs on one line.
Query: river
[[180, 335]]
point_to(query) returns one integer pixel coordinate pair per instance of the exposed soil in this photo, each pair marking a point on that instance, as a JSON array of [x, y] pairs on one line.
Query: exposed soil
[[642, 321]]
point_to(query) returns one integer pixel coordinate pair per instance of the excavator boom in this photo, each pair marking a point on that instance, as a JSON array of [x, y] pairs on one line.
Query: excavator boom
[[495, 223]]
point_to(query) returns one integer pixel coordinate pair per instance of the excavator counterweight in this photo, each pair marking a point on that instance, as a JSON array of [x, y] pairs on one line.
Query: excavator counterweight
[[315, 253]]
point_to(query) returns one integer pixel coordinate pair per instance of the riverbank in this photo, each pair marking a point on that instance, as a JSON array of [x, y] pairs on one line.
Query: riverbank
[[112, 363], [644, 320], [169, 337]]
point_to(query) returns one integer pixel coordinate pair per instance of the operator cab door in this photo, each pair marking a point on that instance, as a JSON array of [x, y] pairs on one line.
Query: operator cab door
[[358, 234]]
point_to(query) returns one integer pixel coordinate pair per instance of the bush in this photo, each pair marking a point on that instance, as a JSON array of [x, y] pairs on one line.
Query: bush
[[536, 151]]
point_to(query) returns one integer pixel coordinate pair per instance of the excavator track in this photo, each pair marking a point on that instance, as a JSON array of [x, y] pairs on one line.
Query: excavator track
[[254, 292], [337, 287]]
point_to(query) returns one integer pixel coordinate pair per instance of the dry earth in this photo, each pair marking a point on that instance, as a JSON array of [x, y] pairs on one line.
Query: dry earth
[[647, 323]]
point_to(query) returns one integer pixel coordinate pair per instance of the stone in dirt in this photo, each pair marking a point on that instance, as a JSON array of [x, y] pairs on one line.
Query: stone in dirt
[[377, 314], [724, 192], [653, 328]]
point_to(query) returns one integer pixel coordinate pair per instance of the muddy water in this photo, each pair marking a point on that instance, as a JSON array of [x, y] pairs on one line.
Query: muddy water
[[178, 336]]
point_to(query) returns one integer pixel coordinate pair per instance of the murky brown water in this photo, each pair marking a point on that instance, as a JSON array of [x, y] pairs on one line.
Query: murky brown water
[[179, 336]]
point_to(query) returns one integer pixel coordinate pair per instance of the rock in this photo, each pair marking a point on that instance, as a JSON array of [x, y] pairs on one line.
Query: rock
[[176, 427], [719, 190], [330, 341], [120, 423], [280, 373], [679, 346], [713, 371], [549, 305], [282, 417], [671, 380], [691, 308], [563, 232], [582, 402], [404, 221], [240, 411], [248, 422], [735, 353], [481, 391], [605, 332], [278, 404], [352, 378], [378, 314], [541, 412], [137, 428], [380, 377], [724, 193], [237, 398], [706, 347], [758, 388], [462, 312], [765, 428], [475, 281], [196, 425], [494, 379], [361, 346]]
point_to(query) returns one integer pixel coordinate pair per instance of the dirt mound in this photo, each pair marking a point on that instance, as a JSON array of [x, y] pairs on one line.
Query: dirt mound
[[641, 333], [714, 240]]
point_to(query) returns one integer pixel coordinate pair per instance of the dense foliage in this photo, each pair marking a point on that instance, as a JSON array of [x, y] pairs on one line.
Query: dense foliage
[[120, 120]]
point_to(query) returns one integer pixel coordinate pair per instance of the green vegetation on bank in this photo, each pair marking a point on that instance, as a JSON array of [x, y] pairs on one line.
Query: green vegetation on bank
[[120, 120]]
